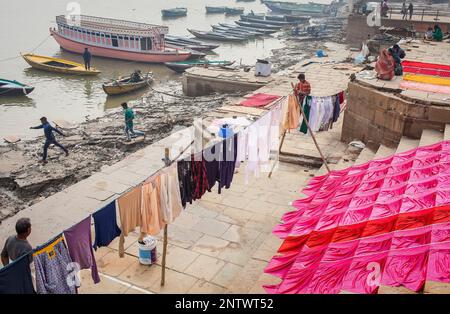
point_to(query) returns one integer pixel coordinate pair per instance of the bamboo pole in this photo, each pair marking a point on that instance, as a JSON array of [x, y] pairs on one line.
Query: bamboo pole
[[164, 254], [311, 132]]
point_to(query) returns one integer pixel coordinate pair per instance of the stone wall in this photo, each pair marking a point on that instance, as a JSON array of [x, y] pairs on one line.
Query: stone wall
[[194, 85], [379, 117]]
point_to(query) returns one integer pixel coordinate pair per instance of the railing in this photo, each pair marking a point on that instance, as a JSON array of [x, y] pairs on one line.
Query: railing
[[421, 13]]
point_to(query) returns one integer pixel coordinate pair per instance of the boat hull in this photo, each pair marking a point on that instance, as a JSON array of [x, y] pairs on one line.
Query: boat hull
[[76, 69], [156, 57], [16, 91], [120, 89]]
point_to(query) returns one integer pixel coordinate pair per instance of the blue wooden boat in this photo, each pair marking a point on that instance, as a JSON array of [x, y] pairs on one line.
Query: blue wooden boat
[[258, 25], [253, 29], [175, 12], [294, 8], [215, 10], [14, 88], [215, 36], [234, 11]]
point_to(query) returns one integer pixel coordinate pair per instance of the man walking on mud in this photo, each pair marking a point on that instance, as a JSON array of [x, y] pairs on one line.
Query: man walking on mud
[[129, 125], [49, 137]]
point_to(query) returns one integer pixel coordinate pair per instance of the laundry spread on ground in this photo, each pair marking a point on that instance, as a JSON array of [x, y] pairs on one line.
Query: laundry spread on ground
[[385, 222], [432, 88], [259, 100], [427, 79]]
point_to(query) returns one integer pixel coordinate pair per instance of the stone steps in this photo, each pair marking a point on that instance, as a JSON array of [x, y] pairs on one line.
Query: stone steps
[[447, 132], [365, 155], [384, 151], [406, 143], [430, 137]]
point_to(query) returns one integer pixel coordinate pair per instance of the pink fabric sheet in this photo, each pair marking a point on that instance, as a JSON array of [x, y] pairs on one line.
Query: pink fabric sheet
[[259, 100], [394, 211]]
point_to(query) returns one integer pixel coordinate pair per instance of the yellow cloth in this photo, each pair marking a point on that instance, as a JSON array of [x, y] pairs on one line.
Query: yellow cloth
[[49, 249], [427, 79]]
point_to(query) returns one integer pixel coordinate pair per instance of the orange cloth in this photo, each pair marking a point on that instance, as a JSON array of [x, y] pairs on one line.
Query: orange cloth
[[152, 222], [130, 214], [130, 210], [292, 115]]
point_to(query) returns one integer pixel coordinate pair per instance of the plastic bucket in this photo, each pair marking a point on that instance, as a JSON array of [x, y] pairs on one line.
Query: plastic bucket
[[147, 251]]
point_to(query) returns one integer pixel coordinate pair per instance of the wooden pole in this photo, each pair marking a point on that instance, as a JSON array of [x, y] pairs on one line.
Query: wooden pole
[[164, 254], [311, 132]]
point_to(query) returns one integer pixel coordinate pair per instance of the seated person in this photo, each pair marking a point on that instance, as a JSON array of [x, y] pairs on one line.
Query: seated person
[[398, 69], [136, 77], [437, 33], [429, 34], [385, 66]]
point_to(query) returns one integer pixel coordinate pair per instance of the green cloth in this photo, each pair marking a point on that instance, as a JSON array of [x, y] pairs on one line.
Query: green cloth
[[437, 35], [129, 116], [306, 110]]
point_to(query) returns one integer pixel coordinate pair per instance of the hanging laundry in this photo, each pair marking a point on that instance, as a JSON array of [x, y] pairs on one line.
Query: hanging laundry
[[105, 224], [227, 162], [264, 145], [152, 220], [292, 117], [170, 198], [341, 97], [186, 181], [252, 165], [337, 108], [211, 156], [199, 176], [15, 278], [51, 263], [306, 110], [327, 113], [259, 100], [242, 147], [130, 210], [79, 242]]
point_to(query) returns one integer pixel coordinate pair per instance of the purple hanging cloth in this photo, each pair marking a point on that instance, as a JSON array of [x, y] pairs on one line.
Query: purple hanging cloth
[[79, 241]]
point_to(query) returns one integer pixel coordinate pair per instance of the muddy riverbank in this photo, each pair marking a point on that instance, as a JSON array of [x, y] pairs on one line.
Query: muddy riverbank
[[100, 141]]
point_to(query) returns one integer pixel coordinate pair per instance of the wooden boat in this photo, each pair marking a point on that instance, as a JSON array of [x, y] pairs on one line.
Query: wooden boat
[[174, 12], [195, 54], [123, 85], [262, 31], [294, 8], [180, 67], [265, 21], [14, 88], [58, 65], [199, 45], [118, 39], [258, 25], [215, 36], [236, 30], [234, 11], [215, 10]]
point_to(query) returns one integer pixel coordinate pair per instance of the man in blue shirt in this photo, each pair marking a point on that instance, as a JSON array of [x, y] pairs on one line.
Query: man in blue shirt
[[49, 137]]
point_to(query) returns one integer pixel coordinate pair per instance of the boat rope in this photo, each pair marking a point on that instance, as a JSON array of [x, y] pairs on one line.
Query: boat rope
[[17, 57]]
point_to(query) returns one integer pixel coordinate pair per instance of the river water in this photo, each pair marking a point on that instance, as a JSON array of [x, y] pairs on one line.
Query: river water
[[25, 26]]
